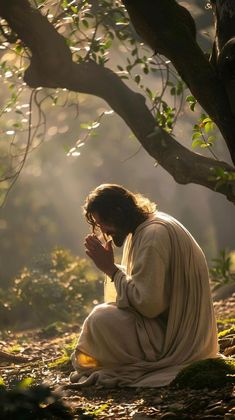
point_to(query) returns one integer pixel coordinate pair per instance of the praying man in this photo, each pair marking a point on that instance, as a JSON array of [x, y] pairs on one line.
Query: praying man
[[163, 317]]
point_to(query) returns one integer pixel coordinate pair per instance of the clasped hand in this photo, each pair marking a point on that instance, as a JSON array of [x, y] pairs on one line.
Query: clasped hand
[[101, 255]]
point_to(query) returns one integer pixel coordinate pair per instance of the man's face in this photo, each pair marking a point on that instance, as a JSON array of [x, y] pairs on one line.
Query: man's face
[[118, 235]]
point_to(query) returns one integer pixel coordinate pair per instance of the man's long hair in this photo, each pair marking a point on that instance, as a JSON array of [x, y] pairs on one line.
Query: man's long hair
[[116, 205]]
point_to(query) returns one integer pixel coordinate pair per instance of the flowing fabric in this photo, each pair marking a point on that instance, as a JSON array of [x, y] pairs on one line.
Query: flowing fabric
[[163, 317]]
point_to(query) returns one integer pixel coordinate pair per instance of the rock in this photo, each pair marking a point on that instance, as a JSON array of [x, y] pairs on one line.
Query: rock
[[140, 416], [224, 292], [176, 407], [169, 415], [229, 351], [157, 401], [226, 342]]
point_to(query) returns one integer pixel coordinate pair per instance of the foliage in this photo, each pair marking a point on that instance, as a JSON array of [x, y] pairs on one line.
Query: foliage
[[222, 271], [209, 373], [94, 31], [203, 133], [55, 329], [227, 332], [60, 287], [62, 362], [31, 403]]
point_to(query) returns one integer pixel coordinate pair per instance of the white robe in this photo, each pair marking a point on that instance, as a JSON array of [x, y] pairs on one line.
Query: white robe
[[163, 318]]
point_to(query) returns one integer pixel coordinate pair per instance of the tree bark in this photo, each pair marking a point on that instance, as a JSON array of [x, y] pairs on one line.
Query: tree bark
[[52, 66], [224, 46], [163, 26]]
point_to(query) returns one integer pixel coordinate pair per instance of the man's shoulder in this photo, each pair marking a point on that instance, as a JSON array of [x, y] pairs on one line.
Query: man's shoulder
[[155, 229]]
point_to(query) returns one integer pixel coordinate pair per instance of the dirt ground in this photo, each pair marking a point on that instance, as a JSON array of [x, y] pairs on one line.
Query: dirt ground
[[49, 350]]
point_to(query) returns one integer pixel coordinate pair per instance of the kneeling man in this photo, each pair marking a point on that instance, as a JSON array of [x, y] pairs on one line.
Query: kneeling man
[[163, 317]]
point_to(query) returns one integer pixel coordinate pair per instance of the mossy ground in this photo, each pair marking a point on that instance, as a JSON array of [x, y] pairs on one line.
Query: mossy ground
[[202, 387], [209, 373]]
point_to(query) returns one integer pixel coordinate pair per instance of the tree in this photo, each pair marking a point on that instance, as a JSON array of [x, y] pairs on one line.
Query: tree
[[66, 45]]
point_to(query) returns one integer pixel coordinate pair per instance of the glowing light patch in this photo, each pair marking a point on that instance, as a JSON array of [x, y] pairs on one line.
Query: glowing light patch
[[86, 361]]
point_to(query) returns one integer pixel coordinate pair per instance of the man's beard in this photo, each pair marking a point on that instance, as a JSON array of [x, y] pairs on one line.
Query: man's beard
[[119, 237]]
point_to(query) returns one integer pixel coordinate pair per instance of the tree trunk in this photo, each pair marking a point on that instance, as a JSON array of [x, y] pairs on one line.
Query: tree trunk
[[224, 46], [164, 27]]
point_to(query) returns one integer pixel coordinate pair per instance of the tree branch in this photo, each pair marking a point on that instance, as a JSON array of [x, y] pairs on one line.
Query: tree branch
[[13, 358], [167, 28], [50, 49]]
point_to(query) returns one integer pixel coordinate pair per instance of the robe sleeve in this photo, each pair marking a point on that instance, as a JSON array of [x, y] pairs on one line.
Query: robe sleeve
[[147, 289]]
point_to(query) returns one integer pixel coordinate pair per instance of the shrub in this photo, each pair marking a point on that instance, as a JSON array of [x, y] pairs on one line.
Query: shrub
[[58, 287], [223, 269]]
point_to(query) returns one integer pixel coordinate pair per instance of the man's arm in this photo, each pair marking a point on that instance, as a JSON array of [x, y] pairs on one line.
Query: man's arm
[[147, 288]]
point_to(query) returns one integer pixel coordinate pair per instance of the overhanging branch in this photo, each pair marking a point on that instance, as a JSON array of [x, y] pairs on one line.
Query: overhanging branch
[[48, 47]]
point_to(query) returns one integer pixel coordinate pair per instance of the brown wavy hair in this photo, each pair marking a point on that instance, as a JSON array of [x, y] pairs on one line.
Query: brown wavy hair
[[117, 205]]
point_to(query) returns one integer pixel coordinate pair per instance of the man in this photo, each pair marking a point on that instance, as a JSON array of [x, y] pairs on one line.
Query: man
[[163, 317]]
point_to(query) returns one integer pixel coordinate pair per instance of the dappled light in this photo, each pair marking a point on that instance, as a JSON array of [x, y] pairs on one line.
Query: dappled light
[[134, 93]]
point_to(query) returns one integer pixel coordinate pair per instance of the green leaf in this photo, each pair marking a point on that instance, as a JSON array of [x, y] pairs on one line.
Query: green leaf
[[196, 135], [207, 119], [85, 126], [85, 23], [134, 52], [192, 102], [25, 383], [18, 49], [180, 87], [209, 126], [211, 139], [196, 143], [190, 98], [137, 78], [17, 125]]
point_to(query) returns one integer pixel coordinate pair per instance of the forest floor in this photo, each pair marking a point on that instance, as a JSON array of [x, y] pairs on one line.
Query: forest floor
[[49, 350]]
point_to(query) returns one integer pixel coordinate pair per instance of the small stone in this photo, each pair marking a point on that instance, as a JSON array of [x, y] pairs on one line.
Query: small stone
[[140, 416], [229, 351], [170, 416], [157, 401], [176, 407]]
